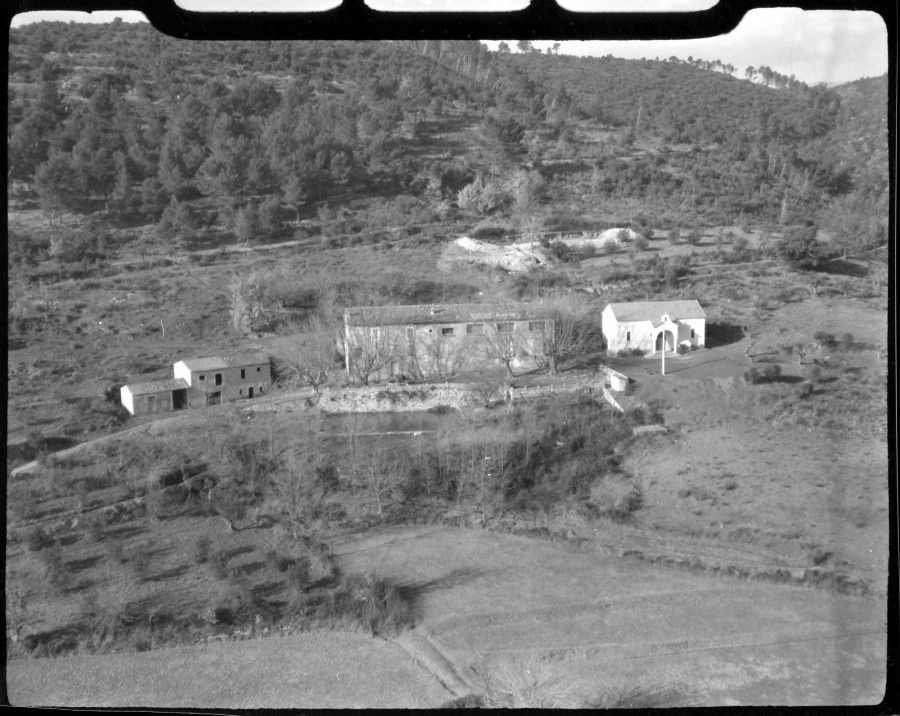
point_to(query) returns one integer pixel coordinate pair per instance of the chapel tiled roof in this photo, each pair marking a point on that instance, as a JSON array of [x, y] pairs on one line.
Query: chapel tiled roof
[[653, 310], [442, 313], [157, 386]]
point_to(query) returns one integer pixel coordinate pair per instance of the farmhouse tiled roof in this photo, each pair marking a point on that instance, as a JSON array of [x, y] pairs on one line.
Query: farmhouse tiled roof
[[227, 360], [157, 386], [653, 310], [209, 363], [442, 313]]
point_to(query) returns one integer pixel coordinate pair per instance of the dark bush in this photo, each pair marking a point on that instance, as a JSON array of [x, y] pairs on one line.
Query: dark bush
[[804, 390], [772, 372], [752, 376], [37, 539], [201, 549], [55, 568], [140, 561], [847, 341], [115, 549], [218, 564]]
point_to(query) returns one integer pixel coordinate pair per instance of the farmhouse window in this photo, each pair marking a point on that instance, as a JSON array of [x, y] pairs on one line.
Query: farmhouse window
[[692, 333], [627, 335], [218, 379], [475, 328], [447, 331], [202, 377], [242, 374], [258, 369], [535, 325], [241, 390], [504, 328]]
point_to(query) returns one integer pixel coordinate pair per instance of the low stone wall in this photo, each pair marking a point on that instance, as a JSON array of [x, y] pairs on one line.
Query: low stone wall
[[396, 398]]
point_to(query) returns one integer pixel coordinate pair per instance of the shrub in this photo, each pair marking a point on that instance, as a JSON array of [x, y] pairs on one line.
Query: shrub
[[674, 235], [115, 549], [218, 564], [826, 339], [37, 539], [694, 236], [55, 569], [201, 549], [815, 373], [610, 246], [805, 389], [636, 352], [772, 372], [640, 243], [140, 561], [93, 528], [847, 341], [752, 376]]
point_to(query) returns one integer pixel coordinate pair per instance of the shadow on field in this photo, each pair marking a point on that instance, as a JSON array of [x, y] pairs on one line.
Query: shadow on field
[[722, 334], [414, 592], [77, 565], [169, 573], [842, 267], [125, 531]]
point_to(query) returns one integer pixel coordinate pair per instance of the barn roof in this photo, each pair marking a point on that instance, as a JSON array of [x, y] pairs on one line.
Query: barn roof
[[653, 310], [157, 386], [442, 313], [228, 360]]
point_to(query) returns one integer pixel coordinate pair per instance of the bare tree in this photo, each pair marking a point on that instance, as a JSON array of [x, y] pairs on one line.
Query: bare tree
[[295, 484], [307, 355], [572, 328], [501, 342], [369, 349]]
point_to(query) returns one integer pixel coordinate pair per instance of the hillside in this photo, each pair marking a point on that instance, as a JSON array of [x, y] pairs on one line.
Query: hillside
[[173, 199]]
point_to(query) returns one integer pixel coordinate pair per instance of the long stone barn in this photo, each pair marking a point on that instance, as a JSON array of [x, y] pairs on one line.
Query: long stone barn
[[439, 340]]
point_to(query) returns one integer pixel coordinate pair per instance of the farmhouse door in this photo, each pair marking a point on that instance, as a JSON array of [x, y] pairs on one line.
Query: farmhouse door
[[250, 392], [179, 399]]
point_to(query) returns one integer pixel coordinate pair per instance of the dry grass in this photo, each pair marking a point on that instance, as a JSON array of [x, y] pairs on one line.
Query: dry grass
[[313, 670]]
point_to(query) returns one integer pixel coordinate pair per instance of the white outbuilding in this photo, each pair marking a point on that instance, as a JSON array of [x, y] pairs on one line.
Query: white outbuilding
[[652, 325]]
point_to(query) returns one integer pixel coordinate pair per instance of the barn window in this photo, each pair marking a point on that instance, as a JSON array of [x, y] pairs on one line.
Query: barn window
[[202, 377], [504, 328], [447, 331], [475, 328], [242, 373], [535, 325], [627, 335], [218, 379], [258, 369], [241, 390], [692, 333]]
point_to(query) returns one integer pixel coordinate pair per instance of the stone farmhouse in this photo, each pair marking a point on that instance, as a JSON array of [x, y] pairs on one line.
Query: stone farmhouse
[[201, 381], [432, 341], [652, 326]]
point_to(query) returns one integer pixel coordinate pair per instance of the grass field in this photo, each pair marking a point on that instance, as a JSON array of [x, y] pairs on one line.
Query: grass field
[[611, 625], [314, 670]]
